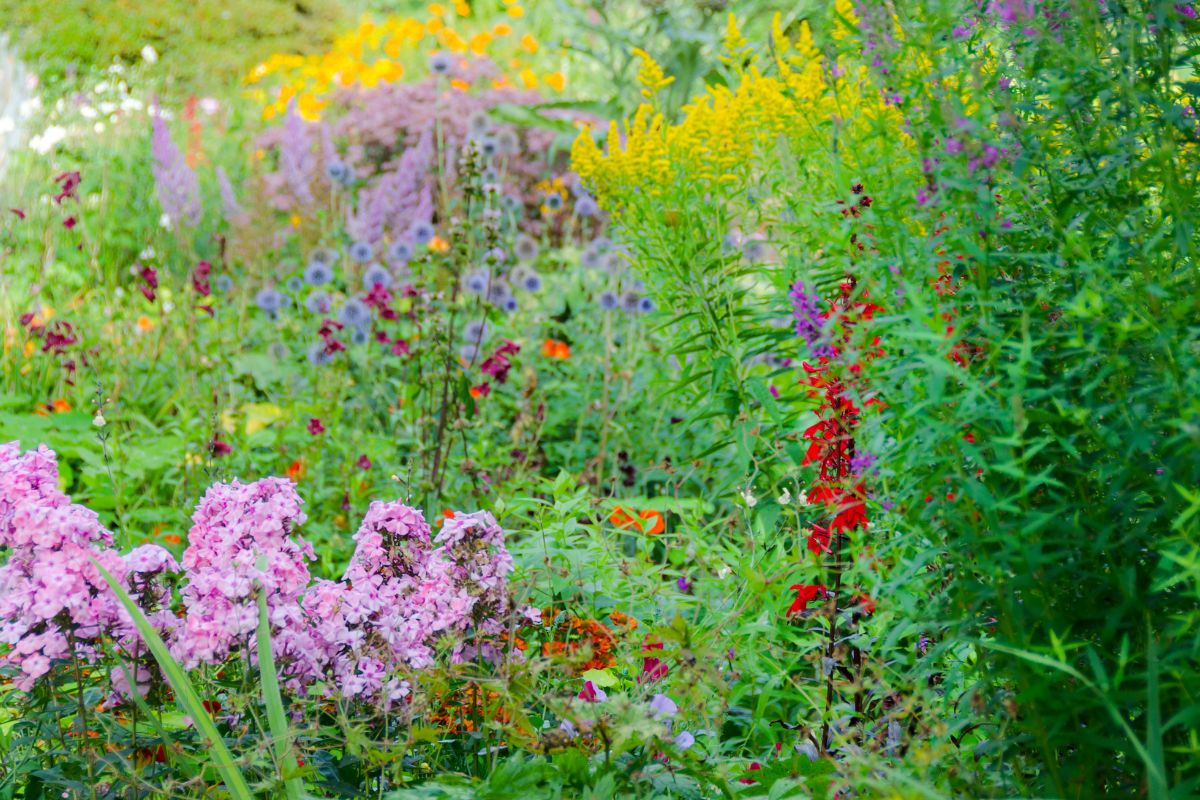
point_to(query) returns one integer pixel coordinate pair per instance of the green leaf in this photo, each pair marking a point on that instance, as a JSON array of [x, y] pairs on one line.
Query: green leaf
[[280, 734], [221, 758]]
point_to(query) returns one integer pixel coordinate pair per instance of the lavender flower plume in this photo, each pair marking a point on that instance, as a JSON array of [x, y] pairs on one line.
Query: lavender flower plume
[[176, 183]]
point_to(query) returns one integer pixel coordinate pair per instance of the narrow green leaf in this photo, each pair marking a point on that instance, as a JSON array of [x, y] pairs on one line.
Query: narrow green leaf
[[221, 758], [280, 734]]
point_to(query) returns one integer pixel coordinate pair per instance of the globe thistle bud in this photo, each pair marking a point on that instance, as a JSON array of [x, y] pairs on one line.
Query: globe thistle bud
[[376, 275], [268, 300], [525, 247], [361, 252], [317, 274], [318, 303], [440, 63], [422, 233]]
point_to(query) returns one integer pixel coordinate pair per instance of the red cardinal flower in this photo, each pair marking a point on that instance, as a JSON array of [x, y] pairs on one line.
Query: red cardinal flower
[[805, 594]]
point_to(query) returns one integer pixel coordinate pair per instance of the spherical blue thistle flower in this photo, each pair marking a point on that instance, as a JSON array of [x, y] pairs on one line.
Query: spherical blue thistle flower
[[586, 206], [318, 303], [422, 232], [479, 122], [488, 146], [294, 283], [755, 250], [591, 259], [400, 251], [609, 301], [496, 256], [224, 284], [508, 142], [491, 176], [354, 314], [468, 352], [323, 255], [361, 252], [476, 283], [498, 292], [317, 273], [285, 301], [359, 336], [601, 244], [512, 204], [339, 172], [532, 282], [510, 304], [317, 354], [631, 302], [475, 331], [646, 305], [376, 275], [614, 261], [440, 63], [525, 248], [553, 201], [268, 300]]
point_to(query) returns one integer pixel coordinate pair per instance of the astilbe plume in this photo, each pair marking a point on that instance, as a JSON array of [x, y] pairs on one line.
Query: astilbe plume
[[175, 182], [387, 134]]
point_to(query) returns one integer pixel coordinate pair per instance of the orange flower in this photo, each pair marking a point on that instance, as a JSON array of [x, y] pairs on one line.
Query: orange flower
[[145, 324], [593, 638], [626, 519], [297, 469], [172, 538], [475, 391], [552, 348], [658, 525], [60, 406], [623, 519], [623, 620]]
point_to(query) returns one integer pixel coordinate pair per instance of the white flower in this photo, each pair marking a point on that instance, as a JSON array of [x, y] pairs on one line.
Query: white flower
[[98, 420], [784, 498], [751, 500], [46, 141], [149, 55], [802, 498]]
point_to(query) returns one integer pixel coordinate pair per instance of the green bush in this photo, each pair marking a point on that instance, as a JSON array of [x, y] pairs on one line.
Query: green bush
[[201, 44]]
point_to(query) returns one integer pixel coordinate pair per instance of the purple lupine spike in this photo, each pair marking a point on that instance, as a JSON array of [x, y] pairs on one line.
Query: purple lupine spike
[[806, 308], [175, 182], [295, 156]]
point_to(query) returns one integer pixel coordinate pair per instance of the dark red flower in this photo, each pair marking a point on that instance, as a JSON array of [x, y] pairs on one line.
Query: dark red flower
[[218, 447], [200, 277], [315, 427], [68, 182], [363, 462]]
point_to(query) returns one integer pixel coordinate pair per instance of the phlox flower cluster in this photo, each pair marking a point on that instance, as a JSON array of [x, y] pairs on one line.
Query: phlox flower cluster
[[400, 594], [54, 603], [240, 543], [359, 638]]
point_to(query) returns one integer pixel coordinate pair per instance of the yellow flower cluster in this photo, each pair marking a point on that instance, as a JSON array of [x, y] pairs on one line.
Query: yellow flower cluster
[[385, 51], [724, 132]]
